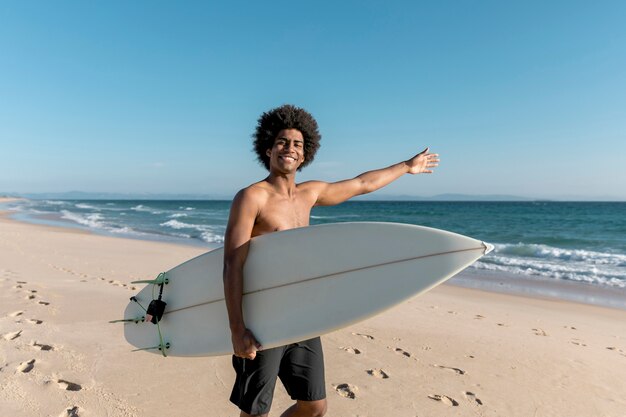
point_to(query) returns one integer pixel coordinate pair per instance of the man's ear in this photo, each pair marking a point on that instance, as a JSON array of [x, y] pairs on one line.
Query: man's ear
[[268, 152]]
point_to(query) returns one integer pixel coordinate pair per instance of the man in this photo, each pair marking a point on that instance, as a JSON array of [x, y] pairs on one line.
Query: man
[[286, 140]]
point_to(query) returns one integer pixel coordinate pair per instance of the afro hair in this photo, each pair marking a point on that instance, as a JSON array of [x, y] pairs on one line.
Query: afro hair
[[286, 116]]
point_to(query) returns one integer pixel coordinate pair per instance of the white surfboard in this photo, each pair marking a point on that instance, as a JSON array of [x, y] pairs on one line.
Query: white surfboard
[[300, 283]]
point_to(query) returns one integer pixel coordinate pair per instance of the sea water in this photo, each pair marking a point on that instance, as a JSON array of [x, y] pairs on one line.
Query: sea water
[[551, 241]]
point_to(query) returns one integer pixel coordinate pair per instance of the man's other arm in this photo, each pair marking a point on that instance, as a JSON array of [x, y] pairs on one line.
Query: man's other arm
[[243, 213]]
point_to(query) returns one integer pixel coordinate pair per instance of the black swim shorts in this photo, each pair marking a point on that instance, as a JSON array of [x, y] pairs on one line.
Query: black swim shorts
[[300, 367]]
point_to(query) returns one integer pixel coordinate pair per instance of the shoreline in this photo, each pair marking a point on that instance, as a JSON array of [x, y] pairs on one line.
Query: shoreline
[[449, 351]]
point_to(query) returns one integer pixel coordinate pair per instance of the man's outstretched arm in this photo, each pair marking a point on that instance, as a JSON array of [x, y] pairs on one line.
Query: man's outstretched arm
[[329, 194]]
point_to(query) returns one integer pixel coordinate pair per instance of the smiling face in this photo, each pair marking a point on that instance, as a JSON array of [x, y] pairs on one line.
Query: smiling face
[[287, 154]]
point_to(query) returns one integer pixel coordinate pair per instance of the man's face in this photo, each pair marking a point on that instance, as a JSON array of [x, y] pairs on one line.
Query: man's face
[[287, 154]]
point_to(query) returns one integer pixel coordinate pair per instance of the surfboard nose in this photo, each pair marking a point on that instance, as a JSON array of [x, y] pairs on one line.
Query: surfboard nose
[[488, 248]]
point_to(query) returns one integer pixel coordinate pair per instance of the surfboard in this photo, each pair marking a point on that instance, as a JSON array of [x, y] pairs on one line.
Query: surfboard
[[298, 284]]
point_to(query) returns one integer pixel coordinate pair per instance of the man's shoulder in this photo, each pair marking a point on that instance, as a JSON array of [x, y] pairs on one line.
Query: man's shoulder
[[253, 192]]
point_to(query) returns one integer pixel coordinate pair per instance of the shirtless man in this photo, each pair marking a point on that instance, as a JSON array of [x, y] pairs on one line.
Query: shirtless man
[[286, 140]]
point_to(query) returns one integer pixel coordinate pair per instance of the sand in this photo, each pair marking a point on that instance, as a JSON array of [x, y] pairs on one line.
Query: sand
[[450, 352]]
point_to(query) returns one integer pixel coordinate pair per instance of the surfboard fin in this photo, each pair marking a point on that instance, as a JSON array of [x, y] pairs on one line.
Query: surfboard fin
[[135, 320], [160, 346], [161, 279]]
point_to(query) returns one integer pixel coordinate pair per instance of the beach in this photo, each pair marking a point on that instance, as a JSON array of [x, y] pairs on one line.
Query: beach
[[450, 352]]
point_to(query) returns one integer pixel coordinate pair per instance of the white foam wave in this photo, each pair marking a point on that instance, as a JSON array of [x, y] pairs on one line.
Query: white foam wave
[[142, 208], [211, 237], [89, 220], [177, 215], [206, 233], [96, 221], [557, 263], [175, 224], [56, 203], [86, 206], [548, 252]]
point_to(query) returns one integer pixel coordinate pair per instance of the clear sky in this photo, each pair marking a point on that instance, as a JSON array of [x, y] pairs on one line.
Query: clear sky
[[525, 98]]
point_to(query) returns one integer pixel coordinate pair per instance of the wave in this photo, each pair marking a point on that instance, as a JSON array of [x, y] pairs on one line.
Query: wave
[[86, 206], [206, 233], [90, 220], [96, 221], [557, 263], [142, 208], [56, 203], [548, 252]]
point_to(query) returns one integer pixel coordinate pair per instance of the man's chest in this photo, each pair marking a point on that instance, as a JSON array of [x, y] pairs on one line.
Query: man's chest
[[282, 215]]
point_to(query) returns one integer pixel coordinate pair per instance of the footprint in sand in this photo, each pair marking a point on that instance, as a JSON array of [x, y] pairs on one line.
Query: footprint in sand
[[22, 282], [378, 373], [45, 303], [30, 296], [41, 346], [402, 352], [577, 342], [472, 397], [68, 386], [540, 332], [16, 313], [346, 390], [455, 370], [479, 317], [444, 399], [352, 350], [27, 366], [71, 412], [12, 335], [35, 321], [366, 336]]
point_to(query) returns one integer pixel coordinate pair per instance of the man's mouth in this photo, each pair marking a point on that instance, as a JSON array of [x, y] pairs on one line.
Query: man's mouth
[[287, 157]]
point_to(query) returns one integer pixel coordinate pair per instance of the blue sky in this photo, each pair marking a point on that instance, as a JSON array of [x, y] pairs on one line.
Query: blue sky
[[525, 98]]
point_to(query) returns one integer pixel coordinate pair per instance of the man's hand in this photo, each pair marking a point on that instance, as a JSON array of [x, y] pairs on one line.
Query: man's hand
[[422, 162], [245, 344]]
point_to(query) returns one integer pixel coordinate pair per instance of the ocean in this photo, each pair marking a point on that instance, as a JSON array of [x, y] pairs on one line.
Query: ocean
[[581, 242]]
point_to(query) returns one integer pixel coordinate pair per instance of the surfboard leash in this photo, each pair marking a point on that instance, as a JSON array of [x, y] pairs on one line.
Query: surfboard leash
[[154, 312]]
